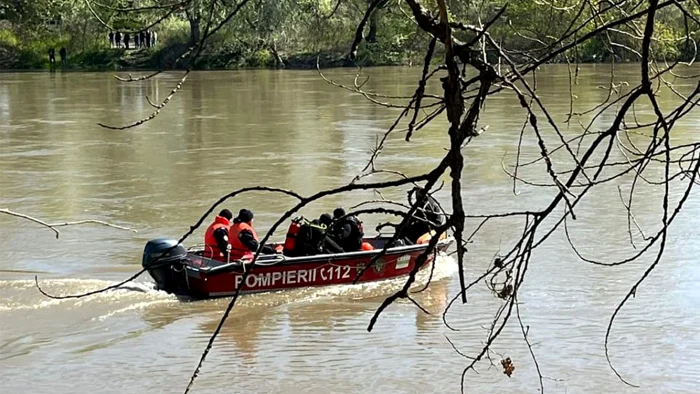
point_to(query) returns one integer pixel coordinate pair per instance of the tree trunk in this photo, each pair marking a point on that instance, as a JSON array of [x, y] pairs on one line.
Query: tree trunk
[[194, 30], [372, 35], [373, 22], [278, 59], [194, 16]]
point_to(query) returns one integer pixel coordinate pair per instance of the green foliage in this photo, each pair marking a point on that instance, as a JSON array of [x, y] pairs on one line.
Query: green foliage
[[98, 59], [8, 38], [299, 31], [227, 56], [32, 13], [173, 31], [262, 58]]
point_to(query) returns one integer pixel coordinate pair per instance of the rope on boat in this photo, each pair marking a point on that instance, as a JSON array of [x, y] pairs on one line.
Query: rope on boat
[[278, 259], [184, 271]]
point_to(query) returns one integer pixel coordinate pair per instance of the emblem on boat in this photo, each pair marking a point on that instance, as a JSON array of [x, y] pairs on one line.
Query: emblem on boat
[[359, 268], [379, 265], [402, 262]]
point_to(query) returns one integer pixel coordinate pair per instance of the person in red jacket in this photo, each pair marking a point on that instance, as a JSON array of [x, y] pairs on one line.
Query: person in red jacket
[[216, 238], [243, 238]]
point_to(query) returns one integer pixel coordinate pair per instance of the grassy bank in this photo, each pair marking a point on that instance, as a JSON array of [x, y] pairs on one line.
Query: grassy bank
[[291, 33], [33, 55], [224, 53]]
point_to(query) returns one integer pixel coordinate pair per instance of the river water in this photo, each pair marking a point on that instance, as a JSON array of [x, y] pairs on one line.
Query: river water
[[291, 129]]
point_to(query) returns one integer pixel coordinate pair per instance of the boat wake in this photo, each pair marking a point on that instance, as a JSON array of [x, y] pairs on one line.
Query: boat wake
[[22, 295], [134, 307]]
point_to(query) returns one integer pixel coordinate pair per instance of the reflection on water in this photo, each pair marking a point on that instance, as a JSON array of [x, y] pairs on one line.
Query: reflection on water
[[290, 129]]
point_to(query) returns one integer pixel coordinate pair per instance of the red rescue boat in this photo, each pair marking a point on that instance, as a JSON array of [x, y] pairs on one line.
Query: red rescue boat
[[187, 272]]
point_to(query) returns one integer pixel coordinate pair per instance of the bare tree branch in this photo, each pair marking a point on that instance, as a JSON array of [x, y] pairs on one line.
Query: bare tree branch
[[53, 226]]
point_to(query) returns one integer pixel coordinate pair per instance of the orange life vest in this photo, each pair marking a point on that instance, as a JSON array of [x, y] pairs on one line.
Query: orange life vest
[[211, 248], [238, 250]]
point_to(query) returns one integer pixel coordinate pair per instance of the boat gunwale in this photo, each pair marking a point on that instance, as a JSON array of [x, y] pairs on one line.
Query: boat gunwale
[[320, 258]]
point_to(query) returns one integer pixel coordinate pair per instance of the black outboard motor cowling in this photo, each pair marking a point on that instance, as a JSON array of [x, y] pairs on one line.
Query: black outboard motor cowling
[[168, 270]]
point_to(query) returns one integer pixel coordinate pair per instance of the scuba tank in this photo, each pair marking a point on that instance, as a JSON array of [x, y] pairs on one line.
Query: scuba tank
[[290, 242]]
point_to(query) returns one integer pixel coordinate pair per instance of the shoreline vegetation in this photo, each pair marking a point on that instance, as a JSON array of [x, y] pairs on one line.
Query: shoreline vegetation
[[292, 34], [157, 59]]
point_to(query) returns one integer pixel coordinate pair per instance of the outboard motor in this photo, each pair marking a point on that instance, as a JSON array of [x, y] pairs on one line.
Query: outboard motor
[[167, 270]]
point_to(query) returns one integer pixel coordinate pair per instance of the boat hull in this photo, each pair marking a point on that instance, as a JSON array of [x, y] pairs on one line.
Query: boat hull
[[200, 277]]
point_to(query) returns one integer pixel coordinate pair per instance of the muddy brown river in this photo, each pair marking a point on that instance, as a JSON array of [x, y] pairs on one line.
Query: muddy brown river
[[290, 129]]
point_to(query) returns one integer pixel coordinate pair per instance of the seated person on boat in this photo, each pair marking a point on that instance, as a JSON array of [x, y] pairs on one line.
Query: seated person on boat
[[243, 238], [329, 244], [309, 238], [427, 217], [347, 231], [216, 240]]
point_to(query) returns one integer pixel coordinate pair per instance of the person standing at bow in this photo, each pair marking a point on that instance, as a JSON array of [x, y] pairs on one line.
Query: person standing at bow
[[216, 238], [243, 238]]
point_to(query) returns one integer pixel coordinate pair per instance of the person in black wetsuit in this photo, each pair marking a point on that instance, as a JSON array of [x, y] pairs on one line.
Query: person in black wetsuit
[[312, 237], [427, 217], [347, 231], [310, 240], [329, 244]]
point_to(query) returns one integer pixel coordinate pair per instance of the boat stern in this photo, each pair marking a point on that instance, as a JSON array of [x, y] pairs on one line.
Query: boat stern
[[165, 259]]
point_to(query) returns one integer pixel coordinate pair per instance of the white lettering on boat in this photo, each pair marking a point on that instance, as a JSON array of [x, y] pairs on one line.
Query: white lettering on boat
[[294, 277], [251, 280], [264, 280], [275, 277], [334, 272], [302, 276]]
